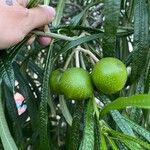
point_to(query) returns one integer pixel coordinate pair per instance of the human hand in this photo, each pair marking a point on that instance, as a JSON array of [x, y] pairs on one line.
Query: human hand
[[16, 21]]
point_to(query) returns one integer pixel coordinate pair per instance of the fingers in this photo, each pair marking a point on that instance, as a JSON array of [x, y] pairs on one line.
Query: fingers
[[39, 16], [45, 41], [17, 21], [15, 2], [22, 2]]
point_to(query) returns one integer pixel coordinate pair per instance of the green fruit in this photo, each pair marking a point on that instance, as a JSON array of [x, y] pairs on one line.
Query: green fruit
[[75, 83], [109, 75], [54, 81]]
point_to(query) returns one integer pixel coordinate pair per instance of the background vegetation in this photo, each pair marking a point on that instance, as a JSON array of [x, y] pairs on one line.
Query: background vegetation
[[99, 28]]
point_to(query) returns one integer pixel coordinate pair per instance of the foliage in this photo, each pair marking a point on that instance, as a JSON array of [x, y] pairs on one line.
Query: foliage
[[82, 32]]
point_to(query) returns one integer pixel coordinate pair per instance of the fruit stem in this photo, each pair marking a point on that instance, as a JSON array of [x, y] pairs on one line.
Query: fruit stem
[[77, 58], [82, 61], [69, 59], [89, 53], [92, 61]]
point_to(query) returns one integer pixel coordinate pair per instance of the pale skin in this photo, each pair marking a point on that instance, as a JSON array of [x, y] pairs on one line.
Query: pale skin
[[16, 21]]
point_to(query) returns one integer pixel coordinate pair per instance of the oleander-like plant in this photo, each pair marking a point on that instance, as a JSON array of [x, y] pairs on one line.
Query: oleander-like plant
[[80, 115]]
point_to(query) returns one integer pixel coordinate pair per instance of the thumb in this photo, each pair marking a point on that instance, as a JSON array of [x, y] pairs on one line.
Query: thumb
[[39, 17]]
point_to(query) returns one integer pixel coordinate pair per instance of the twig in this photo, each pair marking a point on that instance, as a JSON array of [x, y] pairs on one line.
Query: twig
[[89, 53], [76, 51], [77, 58], [92, 61], [82, 61], [54, 35], [69, 59]]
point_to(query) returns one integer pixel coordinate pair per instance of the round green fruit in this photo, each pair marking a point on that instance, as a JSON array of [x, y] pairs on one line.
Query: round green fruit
[[109, 75], [54, 81], [75, 84]]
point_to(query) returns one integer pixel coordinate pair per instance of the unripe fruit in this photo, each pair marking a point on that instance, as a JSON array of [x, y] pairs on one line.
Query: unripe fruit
[[109, 75], [75, 83], [54, 81]]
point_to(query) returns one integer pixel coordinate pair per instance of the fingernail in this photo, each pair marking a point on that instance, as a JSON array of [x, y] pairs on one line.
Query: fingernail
[[51, 10]]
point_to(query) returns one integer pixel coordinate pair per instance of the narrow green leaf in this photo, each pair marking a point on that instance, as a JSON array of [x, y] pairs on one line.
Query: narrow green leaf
[[51, 105], [76, 19], [29, 96], [122, 124], [7, 140], [33, 3], [130, 10], [8, 97], [140, 130], [96, 134], [148, 2], [59, 12], [65, 110], [15, 50], [88, 135], [141, 46], [75, 137], [126, 137], [44, 134], [147, 75], [6, 71], [118, 118], [123, 48], [129, 145], [79, 41], [112, 143], [112, 11], [103, 145], [141, 101]]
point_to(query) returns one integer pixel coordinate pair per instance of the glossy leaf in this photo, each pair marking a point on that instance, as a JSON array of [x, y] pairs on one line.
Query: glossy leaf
[[103, 145], [141, 101], [140, 130], [88, 133], [140, 38], [6, 71], [112, 143], [125, 137], [65, 110], [112, 10], [75, 136], [7, 140], [44, 142]]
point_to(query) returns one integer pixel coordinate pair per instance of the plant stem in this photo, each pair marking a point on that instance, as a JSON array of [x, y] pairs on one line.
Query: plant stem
[[89, 53], [54, 35], [69, 59], [77, 59], [82, 61], [92, 61], [76, 51]]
